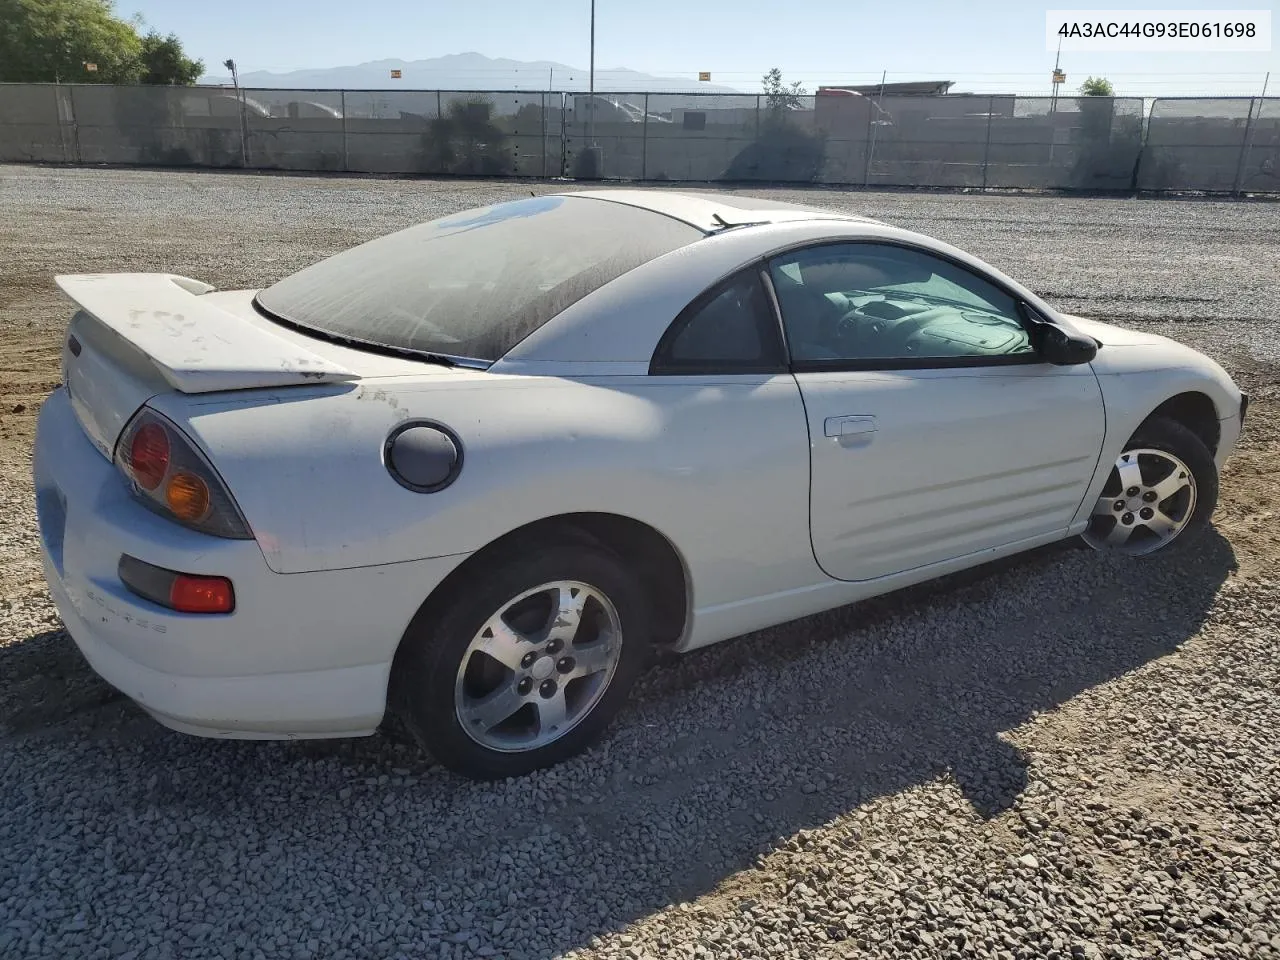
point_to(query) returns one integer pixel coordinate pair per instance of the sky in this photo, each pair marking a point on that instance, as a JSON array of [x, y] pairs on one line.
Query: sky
[[991, 46]]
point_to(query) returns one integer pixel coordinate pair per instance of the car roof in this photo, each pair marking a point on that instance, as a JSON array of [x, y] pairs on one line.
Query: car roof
[[714, 210]]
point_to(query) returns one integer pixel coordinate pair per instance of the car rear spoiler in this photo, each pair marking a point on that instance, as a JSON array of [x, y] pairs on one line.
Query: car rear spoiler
[[196, 346]]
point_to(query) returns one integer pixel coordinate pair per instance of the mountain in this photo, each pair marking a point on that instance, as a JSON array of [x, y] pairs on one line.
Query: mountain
[[467, 71]]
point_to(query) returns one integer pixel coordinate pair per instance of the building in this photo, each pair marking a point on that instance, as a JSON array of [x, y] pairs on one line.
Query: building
[[913, 88]]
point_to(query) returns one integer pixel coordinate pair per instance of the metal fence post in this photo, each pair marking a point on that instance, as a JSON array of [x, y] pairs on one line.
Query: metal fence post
[[868, 144], [244, 129], [644, 141], [57, 112], [543, 113], [757, 116], [65, 118], [346, 160], [75, 125], [564, 134], [986, 152], [1245, 146], [1144, 130]]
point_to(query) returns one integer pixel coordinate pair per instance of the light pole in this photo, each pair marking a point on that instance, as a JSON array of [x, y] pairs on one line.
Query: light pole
[[235, 77], [235, 82]]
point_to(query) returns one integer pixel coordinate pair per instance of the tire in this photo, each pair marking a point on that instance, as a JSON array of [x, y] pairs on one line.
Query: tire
[[1157, 436], [439, 674]]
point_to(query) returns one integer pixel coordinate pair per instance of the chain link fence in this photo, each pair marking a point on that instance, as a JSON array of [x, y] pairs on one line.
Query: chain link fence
[[1218, 144], [836, 137]]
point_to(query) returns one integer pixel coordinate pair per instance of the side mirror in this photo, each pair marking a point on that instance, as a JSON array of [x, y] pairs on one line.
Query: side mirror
[[1064, 349]]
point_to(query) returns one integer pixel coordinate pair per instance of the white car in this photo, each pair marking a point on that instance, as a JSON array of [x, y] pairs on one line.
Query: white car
[[476, 471]]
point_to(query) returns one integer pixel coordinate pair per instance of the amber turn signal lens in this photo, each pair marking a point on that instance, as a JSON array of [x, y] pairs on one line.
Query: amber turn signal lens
[[188, 497]]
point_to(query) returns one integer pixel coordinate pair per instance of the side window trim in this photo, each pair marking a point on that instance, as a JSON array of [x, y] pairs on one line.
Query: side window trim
[[1024, 311], [772, 337]]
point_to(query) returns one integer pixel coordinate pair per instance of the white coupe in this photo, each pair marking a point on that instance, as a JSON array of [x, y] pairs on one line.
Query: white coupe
[[475, 472]]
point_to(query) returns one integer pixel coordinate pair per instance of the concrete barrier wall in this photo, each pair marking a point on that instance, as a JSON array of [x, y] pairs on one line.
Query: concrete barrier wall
[[31, 126], [959, 140]]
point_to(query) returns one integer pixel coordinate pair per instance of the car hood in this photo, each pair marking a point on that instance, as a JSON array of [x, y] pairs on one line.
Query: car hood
[[1110, 335], [1158, 356]]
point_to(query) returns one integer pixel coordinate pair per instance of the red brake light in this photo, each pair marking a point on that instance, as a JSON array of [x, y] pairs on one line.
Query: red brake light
[[184, 592], [169, 474], [190, 594], [149, 455]]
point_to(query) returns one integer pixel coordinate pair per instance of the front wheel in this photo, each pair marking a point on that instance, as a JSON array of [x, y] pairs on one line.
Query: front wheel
[[528, 664], [1161, 492]]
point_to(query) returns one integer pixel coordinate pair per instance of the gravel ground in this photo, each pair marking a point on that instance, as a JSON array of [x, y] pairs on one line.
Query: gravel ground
[[1062, 756]]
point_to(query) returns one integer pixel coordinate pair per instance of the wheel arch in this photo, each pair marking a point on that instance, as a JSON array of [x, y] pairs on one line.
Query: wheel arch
[[663, 571], [1193, 410]]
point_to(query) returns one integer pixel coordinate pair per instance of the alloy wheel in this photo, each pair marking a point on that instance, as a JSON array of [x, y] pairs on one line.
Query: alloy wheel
[[1148, 500], [538, 666]]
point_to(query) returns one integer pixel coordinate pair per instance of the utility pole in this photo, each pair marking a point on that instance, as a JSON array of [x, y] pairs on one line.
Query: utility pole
[[1057, 62], [591, 81]]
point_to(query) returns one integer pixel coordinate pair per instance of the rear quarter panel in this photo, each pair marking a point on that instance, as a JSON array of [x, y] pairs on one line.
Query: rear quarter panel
[[719, 465]]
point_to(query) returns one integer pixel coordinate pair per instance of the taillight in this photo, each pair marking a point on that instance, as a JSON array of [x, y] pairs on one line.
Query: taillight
[[191, 594], [184, 592], [171, 476], [187, 496], [149, 455]]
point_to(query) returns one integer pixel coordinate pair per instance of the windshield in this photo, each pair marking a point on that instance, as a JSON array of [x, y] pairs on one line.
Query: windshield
[[477, 283]]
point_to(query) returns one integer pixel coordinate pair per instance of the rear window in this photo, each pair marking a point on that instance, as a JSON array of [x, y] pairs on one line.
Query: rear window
[[477, 283]]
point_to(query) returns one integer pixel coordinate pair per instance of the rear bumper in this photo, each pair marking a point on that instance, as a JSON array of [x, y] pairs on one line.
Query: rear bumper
[[319, 703], [302, 655]]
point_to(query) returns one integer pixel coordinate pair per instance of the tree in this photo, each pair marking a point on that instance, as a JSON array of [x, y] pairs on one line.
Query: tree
[[163, 61], [778, 95], [1097, 87], [47, 41], [783, 150], [465, 140]]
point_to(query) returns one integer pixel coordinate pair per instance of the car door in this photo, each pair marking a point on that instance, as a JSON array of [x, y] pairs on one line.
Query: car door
[[733, 431], [936, 430]]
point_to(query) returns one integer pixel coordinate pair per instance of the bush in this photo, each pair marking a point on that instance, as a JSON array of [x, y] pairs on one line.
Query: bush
[[586, 165], [782, 152], [466, 141]]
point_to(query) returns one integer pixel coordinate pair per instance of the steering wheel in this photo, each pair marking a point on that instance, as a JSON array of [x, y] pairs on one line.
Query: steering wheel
[[854, 327]]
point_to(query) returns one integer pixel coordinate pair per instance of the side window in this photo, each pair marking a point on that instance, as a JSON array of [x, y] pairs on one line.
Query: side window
[[878, 303], [729, 329]]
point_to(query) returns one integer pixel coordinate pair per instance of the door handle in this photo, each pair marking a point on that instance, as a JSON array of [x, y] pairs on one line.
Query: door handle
[[849, 426]]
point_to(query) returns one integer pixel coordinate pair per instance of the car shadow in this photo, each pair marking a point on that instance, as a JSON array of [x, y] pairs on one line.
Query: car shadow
[[722, 755]]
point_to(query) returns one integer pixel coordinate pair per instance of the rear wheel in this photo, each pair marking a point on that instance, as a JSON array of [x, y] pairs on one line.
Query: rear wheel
[[528, 664], [1161, 492]]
